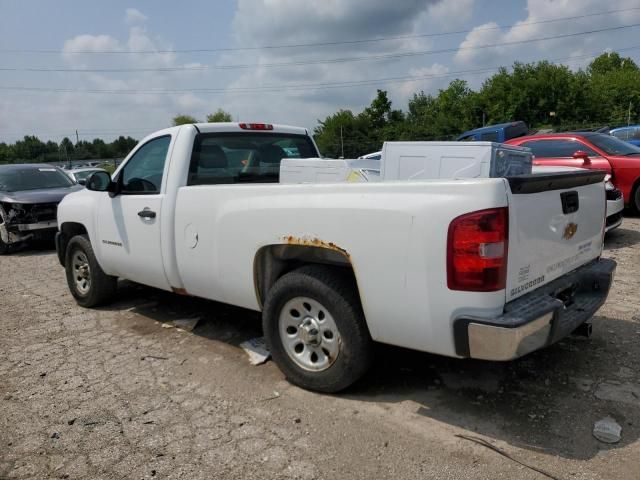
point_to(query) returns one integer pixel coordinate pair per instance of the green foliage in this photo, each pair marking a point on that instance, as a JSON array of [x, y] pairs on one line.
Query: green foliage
[[219, 116], [183, 119], [31, 149], [611, 62]]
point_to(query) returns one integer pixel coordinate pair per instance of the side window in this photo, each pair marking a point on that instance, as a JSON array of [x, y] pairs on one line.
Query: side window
[[557, 148], [144, 171]]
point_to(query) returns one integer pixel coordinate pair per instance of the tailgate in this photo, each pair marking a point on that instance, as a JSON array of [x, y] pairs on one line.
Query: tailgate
[[556, 223]]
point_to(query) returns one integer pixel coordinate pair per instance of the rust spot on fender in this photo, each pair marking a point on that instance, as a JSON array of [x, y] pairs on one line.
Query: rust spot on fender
[[314, 242]]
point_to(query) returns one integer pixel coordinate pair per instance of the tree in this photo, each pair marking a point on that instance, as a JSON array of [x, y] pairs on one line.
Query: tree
[[610, 62], [122, 146], [183, 119], [219, 116], [344, 133]]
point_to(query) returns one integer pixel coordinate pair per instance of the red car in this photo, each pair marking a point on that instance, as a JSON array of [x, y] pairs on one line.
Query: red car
[[590, 150]]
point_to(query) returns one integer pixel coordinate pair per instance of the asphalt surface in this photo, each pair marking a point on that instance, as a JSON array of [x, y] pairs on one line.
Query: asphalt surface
[[113, 393]]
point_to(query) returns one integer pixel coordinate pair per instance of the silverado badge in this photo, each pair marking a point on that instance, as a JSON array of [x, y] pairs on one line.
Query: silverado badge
[[569, 231]]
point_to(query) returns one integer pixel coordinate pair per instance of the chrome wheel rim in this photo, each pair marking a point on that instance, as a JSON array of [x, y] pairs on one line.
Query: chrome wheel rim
[[309, 334], [81, 272]]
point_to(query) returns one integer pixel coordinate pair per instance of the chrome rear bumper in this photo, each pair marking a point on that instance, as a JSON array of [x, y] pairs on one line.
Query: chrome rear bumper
[[539, 318]]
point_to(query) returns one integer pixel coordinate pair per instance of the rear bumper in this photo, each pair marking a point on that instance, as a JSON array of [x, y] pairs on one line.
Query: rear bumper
[[539, 318]]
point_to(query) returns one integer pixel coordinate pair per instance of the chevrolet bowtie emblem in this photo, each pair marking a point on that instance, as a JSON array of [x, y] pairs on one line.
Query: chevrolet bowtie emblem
[[569, 231]]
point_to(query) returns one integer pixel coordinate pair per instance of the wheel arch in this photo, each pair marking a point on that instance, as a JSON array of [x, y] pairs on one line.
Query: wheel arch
[[273, 261], [66, 232]]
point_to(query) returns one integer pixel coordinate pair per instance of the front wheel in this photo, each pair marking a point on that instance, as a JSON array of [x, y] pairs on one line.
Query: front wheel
[[635, 199], [4, 248], [315, 328], [88, 283]]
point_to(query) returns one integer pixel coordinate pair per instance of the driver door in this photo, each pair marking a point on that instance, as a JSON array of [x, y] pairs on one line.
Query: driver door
[[128, 224]]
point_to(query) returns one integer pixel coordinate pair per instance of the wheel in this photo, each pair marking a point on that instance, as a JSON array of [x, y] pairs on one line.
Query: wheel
[[636, 199], [89, 285], [314, 325], [4, 248]]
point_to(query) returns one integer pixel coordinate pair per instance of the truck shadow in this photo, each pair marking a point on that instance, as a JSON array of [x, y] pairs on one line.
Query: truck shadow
[[33, 248], [621, 238], [547, 401]]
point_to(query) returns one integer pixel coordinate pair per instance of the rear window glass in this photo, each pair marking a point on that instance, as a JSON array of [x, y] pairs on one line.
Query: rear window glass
[[489, 137], [514, 131], [244, 157]]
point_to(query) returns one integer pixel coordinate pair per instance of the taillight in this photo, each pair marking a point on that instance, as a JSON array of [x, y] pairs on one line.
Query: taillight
[[477, 251], [256, 126]]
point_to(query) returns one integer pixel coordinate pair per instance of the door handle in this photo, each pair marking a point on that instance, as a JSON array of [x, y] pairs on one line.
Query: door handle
[[146, 213]]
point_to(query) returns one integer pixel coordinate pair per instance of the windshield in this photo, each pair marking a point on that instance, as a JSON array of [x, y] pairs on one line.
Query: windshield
[[33, 178], [613, 146]]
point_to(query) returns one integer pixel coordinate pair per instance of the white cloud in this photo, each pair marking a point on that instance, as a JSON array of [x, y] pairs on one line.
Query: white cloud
[[278, 22], [133, 16], [537, 25]]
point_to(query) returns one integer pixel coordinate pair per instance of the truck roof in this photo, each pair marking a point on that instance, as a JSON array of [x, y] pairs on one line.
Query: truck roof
[[235, 127], [491, 128]]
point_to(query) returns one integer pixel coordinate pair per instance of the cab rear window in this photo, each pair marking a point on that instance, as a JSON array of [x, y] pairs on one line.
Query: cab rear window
[[220, 158]]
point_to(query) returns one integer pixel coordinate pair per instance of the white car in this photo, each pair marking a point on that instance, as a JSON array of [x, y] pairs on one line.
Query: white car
[[80, 175], [372, 156], [487, 268]]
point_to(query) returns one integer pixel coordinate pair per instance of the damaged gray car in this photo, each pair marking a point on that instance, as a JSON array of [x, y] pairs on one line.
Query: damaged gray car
[[29, 198]]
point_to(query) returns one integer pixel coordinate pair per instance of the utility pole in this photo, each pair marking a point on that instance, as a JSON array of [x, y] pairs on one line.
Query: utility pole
[[629, 115], [77, 139], [341, 143]]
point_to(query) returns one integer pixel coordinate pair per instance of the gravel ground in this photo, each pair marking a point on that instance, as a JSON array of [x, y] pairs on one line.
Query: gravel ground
[[112, 393]]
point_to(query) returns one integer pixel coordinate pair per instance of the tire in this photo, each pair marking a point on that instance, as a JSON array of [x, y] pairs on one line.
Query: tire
[[88, 283], [324, 299], [635, 197], [4, 248]]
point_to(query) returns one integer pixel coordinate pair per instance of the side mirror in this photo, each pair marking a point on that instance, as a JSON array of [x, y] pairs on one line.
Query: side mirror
[[582, 155], [100, 182]]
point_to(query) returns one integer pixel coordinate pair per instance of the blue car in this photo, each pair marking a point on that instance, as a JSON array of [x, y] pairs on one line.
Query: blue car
[[500, 132], [630, 134]]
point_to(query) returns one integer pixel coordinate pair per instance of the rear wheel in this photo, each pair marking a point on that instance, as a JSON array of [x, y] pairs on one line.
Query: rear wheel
[[88, 283], [315, 328]]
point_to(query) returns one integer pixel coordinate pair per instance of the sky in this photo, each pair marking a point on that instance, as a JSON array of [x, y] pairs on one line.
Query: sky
[[128, 67]]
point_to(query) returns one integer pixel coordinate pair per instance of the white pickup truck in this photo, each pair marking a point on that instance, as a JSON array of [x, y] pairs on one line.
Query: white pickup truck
[[487, 268]]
